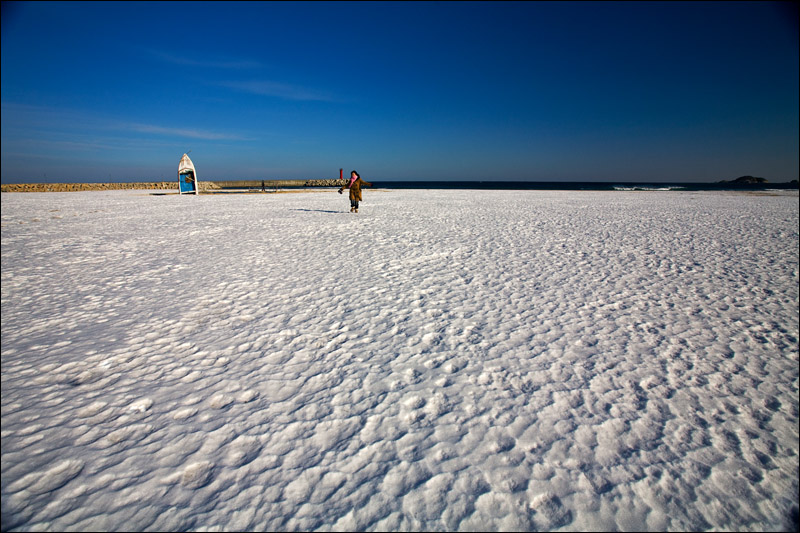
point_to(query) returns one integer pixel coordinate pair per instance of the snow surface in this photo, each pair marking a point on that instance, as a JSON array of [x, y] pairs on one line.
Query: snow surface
[[442, 360]]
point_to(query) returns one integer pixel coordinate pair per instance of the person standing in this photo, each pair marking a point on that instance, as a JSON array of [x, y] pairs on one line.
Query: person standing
[[355, 185]]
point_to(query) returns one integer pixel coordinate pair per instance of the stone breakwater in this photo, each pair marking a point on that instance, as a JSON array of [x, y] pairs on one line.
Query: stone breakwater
[[204, 185], [325, 183], [70, 187]]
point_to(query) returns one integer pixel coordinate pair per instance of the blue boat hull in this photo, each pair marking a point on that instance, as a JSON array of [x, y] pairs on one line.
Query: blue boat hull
[[187, 183]]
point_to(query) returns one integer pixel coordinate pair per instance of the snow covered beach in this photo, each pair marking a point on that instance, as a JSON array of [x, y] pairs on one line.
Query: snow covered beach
[[443, 360]]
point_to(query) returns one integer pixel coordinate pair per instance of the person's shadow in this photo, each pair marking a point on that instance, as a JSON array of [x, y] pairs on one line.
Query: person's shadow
[[317, 211]]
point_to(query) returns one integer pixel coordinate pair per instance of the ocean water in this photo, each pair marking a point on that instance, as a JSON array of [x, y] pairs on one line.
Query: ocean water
[[581, 186], [568, 186]]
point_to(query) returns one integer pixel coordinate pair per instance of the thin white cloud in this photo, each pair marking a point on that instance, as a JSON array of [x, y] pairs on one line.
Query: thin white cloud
[[34, 116], [275, 89], [41, 146], [220, 63], [278, 90], [22, 120], [183, 132]]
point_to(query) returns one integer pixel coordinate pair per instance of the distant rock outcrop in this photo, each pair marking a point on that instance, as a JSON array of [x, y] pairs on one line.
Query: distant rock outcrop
[[745, 179]]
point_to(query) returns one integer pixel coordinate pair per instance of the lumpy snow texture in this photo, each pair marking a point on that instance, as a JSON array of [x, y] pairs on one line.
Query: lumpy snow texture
[[442, 360]]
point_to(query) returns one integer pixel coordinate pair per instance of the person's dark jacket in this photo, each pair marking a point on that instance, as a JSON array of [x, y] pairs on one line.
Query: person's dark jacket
[[355, 189]]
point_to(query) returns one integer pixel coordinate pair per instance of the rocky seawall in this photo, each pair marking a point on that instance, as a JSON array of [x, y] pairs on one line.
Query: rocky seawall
[[325, 183], [71, 187], [204, 185]]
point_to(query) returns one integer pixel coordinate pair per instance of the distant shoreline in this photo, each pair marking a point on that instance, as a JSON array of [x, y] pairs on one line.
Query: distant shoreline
[[162, 185], [74, 187], [274, 185]]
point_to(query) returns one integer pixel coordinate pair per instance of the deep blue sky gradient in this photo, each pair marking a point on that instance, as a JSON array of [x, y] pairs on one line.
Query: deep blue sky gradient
[[563, 91]]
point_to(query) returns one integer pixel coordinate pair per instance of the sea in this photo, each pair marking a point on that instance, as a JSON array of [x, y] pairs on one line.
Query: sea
[[579, 185], [582, 186]]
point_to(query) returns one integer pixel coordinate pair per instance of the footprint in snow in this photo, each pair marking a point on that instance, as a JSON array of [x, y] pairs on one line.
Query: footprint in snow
[[413, 375], [54, 478], [183, 414], [126, 434], [549, 513], [438, 405], [220, 401], [454, 366], [503, 443], [414, 402], [242, 450], [141, 405], [91, 410], [247, 396], [197, 475]]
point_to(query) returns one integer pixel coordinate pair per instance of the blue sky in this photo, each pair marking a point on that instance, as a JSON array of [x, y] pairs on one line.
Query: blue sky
[[563, 91]]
